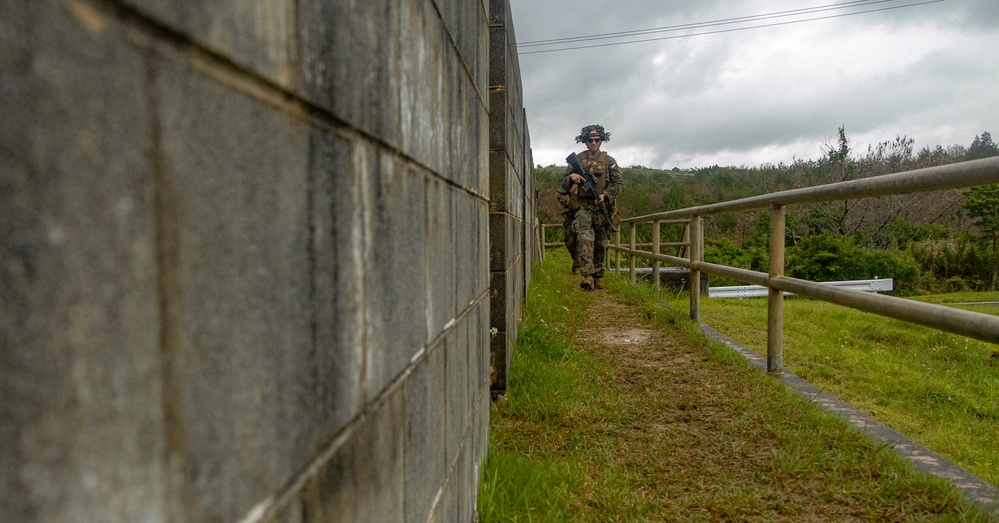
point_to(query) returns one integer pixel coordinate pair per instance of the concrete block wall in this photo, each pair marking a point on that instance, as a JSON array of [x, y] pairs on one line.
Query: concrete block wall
[[245, 259], [511, 190]]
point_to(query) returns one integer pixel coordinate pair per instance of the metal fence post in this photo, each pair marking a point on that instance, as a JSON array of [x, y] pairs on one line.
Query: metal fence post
[[631, 258], [684, 251], [655, 249], [544, 240], [775, 298], [695, 250], [617, 252]]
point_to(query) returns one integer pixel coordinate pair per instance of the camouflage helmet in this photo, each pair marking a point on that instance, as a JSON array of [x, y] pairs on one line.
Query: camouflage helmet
[[593, 131]]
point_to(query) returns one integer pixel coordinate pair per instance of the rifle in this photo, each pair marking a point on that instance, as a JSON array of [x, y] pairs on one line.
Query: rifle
[[590, 185]]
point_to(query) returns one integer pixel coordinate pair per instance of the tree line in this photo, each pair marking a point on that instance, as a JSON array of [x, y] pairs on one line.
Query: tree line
[[943, 241]]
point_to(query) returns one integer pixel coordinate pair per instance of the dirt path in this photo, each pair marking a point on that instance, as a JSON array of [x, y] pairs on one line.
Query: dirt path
[[694, 432], [655, 368], [706, 443]]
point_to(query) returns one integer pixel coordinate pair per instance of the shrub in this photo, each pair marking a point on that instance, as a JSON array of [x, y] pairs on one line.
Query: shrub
[[827, 257]]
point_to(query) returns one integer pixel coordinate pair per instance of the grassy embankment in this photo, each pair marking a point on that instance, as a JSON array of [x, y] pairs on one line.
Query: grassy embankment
[[679, 430]]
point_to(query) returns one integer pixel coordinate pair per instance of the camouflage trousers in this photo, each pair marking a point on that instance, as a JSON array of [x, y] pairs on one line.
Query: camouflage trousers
[[592, 234], [569, 235]]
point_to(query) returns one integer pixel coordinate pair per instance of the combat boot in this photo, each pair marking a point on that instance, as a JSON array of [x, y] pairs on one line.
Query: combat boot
[[587, 283], [598, 283]]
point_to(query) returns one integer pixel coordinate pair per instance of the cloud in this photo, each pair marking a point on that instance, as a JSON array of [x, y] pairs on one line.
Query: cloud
[[760, 95]]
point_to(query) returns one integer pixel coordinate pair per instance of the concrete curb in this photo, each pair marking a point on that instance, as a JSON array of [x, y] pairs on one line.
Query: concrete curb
[[974, 488]]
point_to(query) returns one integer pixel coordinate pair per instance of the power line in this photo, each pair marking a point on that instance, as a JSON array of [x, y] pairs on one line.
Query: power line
[[710, 24]]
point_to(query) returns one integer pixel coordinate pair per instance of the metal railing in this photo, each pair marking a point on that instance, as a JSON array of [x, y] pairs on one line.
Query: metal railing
[[975, 325]]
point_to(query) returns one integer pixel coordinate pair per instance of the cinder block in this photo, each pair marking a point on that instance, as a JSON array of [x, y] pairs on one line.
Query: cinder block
[[498, 300], [290, 513], [482, 233], [446, 510], [440, 258], [259, 35], [484, 345], [474, 354], [499, 43], [347, 63], [235, 282], [497, 181], [465, 155], [499, 362], [498, 234], [364, 481], [513, 297], [81, 431], [425, 61], [514, 243], [470, 250], [456, 381], [515, 193], [458, 159], [425, 457], [396, 264], [482, 146], [339, 246], [464, 486], [499, 119]]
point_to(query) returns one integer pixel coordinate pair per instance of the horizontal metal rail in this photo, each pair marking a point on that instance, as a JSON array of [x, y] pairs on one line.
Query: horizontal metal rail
[[975, 325], [984, 327]]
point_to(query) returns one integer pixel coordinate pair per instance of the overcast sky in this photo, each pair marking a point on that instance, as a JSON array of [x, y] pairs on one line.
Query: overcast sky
[[751, 96]]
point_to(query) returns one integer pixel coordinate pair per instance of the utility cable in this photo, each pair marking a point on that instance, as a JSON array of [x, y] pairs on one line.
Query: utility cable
[[720, 31], [711, 23]]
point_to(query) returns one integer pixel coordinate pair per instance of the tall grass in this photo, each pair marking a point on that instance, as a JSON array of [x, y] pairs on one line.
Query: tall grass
[[552, 387], [939, 389]]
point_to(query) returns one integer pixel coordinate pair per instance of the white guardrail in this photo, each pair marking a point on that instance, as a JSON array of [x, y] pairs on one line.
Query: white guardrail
[[756, 291]]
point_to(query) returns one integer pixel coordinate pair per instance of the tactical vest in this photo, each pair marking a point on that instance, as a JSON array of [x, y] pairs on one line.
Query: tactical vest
[[599, 168]]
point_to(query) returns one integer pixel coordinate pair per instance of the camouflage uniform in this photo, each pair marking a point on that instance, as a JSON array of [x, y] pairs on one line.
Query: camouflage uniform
[[570, 204], [590, 227]]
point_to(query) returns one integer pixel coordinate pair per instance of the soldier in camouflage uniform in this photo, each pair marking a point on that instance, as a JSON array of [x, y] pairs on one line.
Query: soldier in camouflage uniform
[[589, 226]]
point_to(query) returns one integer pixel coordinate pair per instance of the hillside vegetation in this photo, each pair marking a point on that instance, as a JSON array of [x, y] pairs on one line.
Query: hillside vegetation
[[929, 243]]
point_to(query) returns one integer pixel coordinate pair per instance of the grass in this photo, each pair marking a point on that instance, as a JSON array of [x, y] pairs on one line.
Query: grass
[[677, 429], [940, 389]]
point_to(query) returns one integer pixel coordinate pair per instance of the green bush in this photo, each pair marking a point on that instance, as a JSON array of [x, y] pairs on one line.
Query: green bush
[[827, 257], [951, 264], [753, 255]]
